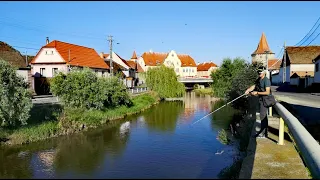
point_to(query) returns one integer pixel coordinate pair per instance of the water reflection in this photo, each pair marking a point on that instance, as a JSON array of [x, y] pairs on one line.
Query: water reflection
[[163, 117], [137, 147]]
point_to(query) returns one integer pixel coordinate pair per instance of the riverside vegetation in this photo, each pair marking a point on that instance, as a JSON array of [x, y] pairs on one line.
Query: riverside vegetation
[[87, 101]]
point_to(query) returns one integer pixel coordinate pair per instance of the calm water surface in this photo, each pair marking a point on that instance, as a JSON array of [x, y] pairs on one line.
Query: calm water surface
[[159, 143]]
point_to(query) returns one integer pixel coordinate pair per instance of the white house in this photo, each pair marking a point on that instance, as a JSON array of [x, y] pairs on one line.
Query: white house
[[183, 64], [58, 56], [205, 69], [298, 60]]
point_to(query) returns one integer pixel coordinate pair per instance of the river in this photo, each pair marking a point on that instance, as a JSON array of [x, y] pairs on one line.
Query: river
[[158, 143]]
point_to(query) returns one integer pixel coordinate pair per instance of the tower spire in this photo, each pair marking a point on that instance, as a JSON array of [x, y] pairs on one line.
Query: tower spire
[[262, 46]]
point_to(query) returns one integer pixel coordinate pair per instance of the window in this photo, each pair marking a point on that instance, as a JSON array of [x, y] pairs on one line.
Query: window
[[46, 52], [52, 52], [102, 73], [317, 67], [54, 71], [42, 71], [172, 55], [184, 70]]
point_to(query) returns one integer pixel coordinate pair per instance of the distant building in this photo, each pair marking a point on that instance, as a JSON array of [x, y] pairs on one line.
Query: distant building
[[316, 82], [299, 60], [183, 64], [263, 52], [205, 69]]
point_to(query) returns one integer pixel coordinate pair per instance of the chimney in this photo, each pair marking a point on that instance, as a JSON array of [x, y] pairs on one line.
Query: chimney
[[47, 40], [101, 55]]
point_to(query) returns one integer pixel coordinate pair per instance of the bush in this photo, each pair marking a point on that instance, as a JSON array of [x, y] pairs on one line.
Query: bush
[[83, 89], [15, 102], [164, 81]]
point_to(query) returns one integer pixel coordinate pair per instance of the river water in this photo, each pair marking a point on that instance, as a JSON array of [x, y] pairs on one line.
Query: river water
[[158, 143]]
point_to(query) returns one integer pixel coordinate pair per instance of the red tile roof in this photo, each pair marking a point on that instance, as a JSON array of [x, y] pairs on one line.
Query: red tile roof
[[274, 64], [79, 55], [205, 66], [262, 46], [135, 65], [186, 60], [154, 59]]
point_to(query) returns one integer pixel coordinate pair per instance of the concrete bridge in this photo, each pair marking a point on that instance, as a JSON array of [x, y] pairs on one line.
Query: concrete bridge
[[190, 82]]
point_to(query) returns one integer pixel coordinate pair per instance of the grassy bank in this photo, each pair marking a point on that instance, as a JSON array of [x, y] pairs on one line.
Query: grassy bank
[[52, 120], [206, 91]]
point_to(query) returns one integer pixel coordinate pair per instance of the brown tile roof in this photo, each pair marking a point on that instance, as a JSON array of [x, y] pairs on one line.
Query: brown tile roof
[[134, 55], [105, 55], [205, 66], [262, 46], [154, 59], [135, 65], [301, 54], [139, 68], [294, 74], [186, 60], [79, 55], [274, 64]]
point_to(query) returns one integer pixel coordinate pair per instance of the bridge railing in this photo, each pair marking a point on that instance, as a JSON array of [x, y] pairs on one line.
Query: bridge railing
[[307, 145]]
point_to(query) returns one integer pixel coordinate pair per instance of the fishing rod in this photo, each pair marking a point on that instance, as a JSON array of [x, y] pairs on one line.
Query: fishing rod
[[219, 108]]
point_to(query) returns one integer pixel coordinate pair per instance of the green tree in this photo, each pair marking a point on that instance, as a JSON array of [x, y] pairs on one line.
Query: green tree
[[15, 102], [222, 77], [164, 81], [83, 89]]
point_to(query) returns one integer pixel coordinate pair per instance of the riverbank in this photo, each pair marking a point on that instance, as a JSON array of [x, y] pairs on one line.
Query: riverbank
[[52, 121]]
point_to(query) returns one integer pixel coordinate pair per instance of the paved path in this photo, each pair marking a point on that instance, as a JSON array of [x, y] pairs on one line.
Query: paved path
[[268, 160]]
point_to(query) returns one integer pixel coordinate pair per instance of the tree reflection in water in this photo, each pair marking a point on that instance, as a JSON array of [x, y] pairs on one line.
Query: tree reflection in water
[[83, 153]]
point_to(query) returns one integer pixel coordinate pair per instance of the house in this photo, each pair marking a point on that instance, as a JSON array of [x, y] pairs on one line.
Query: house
[[316, 81], [205, 69], [301, 79], [58, 56], [127, 68], [138, 74], [274, 68], [298, 60], [183, 64], [263, 52]]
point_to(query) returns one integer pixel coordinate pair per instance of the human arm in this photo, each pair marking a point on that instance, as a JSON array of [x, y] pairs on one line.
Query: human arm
[[251, 88], [267, 91]]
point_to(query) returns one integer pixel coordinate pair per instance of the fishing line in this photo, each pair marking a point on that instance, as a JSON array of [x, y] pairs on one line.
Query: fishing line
[[218, 109]]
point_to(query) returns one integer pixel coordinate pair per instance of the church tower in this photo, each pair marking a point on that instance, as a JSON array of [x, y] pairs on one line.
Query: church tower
[[263, 52]]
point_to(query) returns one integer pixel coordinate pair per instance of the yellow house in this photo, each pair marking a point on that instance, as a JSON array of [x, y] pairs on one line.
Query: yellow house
[[205, 69], [183, 64]]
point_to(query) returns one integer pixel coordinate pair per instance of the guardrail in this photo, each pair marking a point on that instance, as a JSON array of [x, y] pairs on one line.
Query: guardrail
[[307, 145], [138, 90]]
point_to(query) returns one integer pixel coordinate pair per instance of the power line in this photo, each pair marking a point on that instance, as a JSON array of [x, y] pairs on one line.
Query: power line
[[310, 35], [308, 32], [313, 39]]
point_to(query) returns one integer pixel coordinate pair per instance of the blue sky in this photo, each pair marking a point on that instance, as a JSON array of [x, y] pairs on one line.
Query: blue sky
[[208, 31]]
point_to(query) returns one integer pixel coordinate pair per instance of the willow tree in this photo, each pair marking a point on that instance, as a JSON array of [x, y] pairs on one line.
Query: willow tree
[[164, 81]]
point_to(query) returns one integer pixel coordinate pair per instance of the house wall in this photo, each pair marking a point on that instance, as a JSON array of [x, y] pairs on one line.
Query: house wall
[[35, 69], [206, 73], [174, 62], [276, 80], [24, 74], [116, 59], [317, 73], [294, 81], [262, 58], [188, 71], [302, 67]]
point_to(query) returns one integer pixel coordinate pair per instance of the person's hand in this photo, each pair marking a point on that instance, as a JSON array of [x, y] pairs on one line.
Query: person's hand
[[247, 91], [254, 93]]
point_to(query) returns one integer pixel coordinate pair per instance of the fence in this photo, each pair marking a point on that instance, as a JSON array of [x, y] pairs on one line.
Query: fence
[[307, 145], [138, 90]]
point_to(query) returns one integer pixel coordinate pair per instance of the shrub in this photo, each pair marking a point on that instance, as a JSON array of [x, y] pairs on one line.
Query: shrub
[[15, 102], [83, 89], [164, 81]]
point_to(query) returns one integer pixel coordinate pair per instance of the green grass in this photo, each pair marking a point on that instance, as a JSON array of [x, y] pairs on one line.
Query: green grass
[[206, 91], [51, 120]]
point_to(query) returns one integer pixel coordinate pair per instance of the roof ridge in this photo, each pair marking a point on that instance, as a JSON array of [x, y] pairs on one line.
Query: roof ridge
[[68, 44]]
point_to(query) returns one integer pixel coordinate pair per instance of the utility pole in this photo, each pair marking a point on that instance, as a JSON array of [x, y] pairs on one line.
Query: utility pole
[[284, 62], [26, 58], [110, 44], [69, 62], [267, 68]]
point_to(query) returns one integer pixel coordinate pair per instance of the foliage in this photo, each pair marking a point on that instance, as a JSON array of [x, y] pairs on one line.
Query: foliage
[[205, 91], [222, 77], [15, 102], [83, 89], [223, 137], [164, 81]]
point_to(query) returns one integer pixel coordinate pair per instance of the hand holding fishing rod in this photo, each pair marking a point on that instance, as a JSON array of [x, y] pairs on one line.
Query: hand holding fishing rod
[[247, 92]]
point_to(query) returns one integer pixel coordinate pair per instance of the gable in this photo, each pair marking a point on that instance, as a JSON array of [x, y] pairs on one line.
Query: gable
[[48, 55]]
